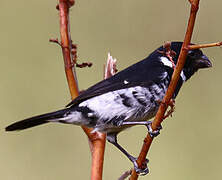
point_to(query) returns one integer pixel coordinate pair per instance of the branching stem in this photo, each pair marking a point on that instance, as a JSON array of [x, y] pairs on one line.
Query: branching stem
[[96, 140], [175, 77], [198, 46]]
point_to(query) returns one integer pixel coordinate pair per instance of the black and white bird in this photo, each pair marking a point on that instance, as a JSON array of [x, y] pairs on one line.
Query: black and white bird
[[128, 98]]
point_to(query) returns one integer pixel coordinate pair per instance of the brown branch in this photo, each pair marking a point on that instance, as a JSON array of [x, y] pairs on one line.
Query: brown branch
[[175, 77], [66, 47], [96, 140], [198, 46], [125, 175]]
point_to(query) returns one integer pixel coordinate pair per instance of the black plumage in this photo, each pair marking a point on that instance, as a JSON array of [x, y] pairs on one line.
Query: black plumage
[[128, 98]]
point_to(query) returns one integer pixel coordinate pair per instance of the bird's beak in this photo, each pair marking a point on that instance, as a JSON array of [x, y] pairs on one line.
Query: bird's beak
[[203, 62]]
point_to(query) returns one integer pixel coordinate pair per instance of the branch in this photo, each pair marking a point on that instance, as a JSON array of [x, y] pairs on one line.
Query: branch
[[175, 77], [198, 46], [96, 140], [84, 64], [66, 47]]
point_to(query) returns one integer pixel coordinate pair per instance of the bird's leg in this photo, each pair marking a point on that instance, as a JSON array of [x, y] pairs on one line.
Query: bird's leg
[[112, 138], [153, 133]]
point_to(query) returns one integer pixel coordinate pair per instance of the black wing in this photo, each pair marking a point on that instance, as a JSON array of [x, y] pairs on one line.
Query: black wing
[[143, 73]]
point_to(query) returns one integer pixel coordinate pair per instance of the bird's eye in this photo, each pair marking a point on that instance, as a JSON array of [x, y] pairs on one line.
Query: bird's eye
[[191, 53]]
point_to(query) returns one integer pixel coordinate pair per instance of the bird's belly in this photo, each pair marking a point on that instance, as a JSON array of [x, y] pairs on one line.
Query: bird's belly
[[135, 104], [115, 124]]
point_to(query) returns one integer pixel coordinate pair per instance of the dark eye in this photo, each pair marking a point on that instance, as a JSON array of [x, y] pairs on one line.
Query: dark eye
[[191, 53], [195, 53]]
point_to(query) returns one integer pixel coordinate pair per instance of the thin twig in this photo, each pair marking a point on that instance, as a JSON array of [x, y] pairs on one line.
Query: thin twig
[[198, 46], [55, 41], [84, 64], [175, 77]]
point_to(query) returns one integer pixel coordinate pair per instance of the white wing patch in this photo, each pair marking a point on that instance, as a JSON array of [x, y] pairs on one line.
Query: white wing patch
[[109, 105], [125, 82], [166, 61]]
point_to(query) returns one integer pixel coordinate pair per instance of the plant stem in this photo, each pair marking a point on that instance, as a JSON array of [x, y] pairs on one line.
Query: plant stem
[[66, 48], [175, 77], [198, 46], [96, 140]]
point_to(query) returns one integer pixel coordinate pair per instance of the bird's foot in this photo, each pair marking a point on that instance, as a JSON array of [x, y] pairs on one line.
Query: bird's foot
[[153, 133], [148, 124], [143, 170]]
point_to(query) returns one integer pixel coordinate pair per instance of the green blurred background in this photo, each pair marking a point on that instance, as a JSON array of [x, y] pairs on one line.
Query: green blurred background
[[33, 82]]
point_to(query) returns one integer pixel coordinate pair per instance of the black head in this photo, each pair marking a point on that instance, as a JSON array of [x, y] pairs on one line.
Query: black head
[[195, 59]]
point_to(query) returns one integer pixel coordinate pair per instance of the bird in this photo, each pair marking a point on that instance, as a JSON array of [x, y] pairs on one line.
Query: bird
[[130, 97]]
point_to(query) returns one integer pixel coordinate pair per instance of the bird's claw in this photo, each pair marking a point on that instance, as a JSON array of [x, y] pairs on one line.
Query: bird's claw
[[153, 133], [143, 170]]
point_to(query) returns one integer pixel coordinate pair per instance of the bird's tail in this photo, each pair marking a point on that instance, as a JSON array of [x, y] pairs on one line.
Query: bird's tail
[[36, 120]]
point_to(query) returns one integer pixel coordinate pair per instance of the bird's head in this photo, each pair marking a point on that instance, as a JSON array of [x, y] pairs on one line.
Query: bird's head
[[195, 59]]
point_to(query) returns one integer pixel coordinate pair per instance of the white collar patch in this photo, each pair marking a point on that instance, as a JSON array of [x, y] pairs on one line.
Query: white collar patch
[[182, 75], [166, 61]]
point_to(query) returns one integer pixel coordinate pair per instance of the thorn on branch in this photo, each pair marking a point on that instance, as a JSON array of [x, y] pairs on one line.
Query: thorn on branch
[[84, 64], [74, 46], [125, 175], [194, 6], [57, 7], [172, 109], [55, 41], [74, 55], [74, 52], [168, 52], [74, 58], [191, 1], [70, 4], [171, 104]]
